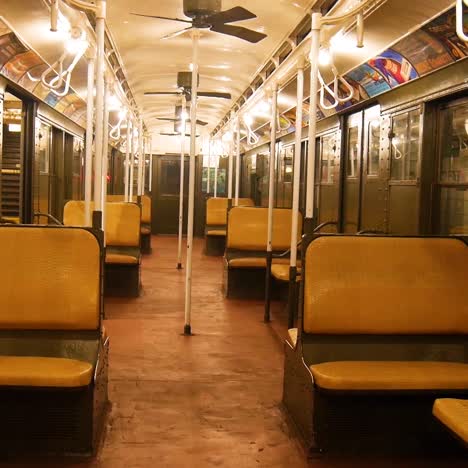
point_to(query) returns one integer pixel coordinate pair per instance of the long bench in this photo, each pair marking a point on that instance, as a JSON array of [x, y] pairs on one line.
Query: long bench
[[145, 219], [245, 258], [122, 239], [216, 221], [53, 352], [382, 333]]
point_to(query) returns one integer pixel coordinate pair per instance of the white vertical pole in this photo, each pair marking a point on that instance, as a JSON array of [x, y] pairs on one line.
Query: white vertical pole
[[105, 157], [151, 165], [100, 64], [215, 193], [141, 158], [297, 160], [183, 131], [132, 161], [208, 185], [231, 160], [271, 190], [193, 149], [314, 53], [89, 140], [238, 161], [127, 159], [145, 151]]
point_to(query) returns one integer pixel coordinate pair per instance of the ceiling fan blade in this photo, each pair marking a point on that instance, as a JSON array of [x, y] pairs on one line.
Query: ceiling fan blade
[[176, 34], [162, 17], [238, 31], [231, 16], [162, 93], [215, 95]]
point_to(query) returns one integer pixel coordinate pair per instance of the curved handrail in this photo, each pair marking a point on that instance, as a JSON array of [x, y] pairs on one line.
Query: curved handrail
[[371, 231]]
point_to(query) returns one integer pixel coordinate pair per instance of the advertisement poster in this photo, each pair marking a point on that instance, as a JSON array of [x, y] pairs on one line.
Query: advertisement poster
[[394, 68], [19, 65], [443, 29], [370, 79], [10, 46], [425, 53]]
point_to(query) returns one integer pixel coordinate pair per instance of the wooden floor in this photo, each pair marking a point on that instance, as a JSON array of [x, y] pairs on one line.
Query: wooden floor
[[211, 400]]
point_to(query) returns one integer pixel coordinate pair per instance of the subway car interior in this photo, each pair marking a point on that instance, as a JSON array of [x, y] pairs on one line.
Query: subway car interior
[[234, 234]]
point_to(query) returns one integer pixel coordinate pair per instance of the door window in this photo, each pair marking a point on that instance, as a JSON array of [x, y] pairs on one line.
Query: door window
[[352, 166], [405, 146], [373, 147], [327, 159]]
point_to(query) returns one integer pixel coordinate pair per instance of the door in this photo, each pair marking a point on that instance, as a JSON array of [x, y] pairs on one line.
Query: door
[[451, 213], [374, 174], [352, 176], [166, 191], [404, 184]]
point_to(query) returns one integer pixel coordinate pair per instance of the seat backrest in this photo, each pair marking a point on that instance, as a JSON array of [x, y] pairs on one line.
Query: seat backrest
[[216, 210], [145, 205], [385, 286], [248, 229], [74, 213], [50, 278], [123, 224]]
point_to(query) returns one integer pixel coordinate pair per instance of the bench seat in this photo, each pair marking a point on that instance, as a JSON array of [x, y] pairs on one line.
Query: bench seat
[[115, 258], [256, 262], [25, 371], [390, 375], [281, 272], [216, 232], [453, 414], [292, 336]]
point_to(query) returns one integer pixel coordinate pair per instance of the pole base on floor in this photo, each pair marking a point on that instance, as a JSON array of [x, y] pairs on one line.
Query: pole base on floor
[[187, 330], [179, 266]]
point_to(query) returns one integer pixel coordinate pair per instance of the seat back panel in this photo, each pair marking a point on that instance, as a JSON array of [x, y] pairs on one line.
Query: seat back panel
[[386, 285], [50, 279], [216, 210]]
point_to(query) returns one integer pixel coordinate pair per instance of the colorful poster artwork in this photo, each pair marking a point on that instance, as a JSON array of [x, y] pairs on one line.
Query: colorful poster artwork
[[74, 104], [370, 79], [425, 53], [20, 64], [359, 94], [443, 29], [10, 46], [394, 68]]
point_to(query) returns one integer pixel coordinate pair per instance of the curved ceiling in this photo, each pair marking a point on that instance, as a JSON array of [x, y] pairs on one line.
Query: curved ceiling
[[227, 64]]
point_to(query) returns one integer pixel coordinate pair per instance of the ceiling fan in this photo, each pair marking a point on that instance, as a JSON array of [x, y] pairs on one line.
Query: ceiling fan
[[178, 118], [207, 14], [184, 83]]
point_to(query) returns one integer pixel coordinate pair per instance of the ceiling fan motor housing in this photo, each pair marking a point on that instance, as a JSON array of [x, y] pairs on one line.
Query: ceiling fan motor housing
[[197, 8], [184, 80]]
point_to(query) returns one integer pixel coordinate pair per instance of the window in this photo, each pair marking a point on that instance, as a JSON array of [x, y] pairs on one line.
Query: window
[[352, 165], [454, 210], [44, 148], [405, 146], [454, 145], [373, 146], [327, 159]]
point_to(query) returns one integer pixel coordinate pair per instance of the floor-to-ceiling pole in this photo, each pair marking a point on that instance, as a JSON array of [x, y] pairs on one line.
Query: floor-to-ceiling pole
[[292, 304], [141, 158], [105, 157], [314, 54], [215, 189], [183, 131], [238, 160], [208, 177], [100, 69], [127, 160], [231, 162], [89, 139], [191, 208], [132, 160], [271, 198], [150, 182]]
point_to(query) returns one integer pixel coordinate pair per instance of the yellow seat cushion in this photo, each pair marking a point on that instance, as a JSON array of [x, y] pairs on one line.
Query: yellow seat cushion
[[454, 415], [121, 258], [281, 272], [292, 336], [44, 372], [255, 262], [390, 375], [217, 233], [145, 231]]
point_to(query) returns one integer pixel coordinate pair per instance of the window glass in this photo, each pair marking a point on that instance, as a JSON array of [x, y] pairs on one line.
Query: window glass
[[405, 146], [353, 152], [454, 144], [327, 160], [373, 146], [44, 148], [454, 211]]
